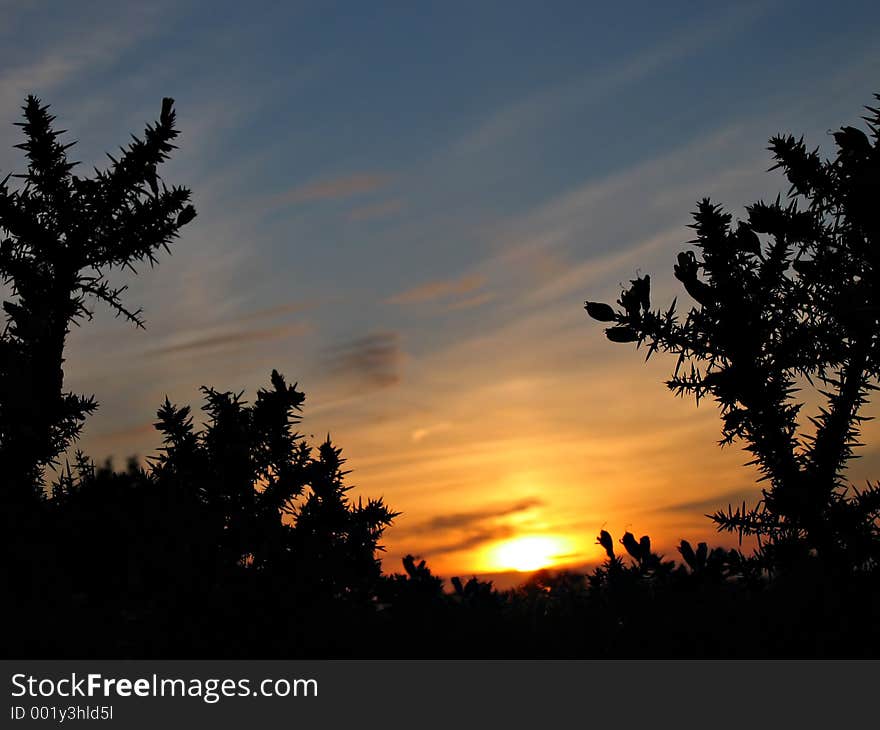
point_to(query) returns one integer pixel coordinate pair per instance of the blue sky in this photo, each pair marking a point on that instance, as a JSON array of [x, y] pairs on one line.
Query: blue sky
[[403, 206]]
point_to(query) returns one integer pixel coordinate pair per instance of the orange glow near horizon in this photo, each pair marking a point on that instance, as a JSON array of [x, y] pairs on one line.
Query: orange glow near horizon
[[527, 553]]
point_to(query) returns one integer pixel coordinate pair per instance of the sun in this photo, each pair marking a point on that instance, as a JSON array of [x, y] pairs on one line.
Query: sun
[[528, 553]]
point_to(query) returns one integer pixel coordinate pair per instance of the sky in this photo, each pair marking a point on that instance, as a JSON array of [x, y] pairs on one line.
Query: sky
[[403, 206]]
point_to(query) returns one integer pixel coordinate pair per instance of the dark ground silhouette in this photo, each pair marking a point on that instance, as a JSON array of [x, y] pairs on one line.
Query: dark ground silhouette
[[238, 538]]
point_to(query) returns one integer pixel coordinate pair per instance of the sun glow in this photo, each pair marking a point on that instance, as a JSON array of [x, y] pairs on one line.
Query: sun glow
[[528, 553]]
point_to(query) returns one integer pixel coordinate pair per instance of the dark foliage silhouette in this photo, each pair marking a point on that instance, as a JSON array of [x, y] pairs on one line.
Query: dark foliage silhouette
[[784, 300], [274, 503], [238, 521], [241, 517], [62, 236]]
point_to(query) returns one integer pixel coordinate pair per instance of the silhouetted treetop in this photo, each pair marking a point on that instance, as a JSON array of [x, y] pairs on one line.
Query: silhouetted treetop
[[276, 502], [61, 223], [60, 236], [790, 296]]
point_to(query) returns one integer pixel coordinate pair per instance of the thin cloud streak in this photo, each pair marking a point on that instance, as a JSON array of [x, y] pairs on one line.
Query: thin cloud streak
[[701, 506], [338, 188], [474, 540], [126, 434], [279, 310], [465, 520], [440, 289], [420, 434], [233, 339], [535, 109], [471, 302], [101, 45]]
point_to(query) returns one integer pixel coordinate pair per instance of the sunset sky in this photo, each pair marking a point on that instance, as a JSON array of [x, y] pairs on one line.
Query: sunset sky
[[403, 206]]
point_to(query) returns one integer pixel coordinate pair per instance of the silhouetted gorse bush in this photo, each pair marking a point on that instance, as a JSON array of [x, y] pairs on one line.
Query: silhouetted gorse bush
[[274, 501], [787, 298], [238, 509], [63, 235]]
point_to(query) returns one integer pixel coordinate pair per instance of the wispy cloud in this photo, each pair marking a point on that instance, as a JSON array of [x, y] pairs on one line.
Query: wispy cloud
[[127, 433], [525, 114], [439, 289], [94, 45], [471, 302], [701, 506], [233, 339], [421, 433], [338, 188], [279, 310], [474, 539], [459, 531], [373, 360], [464, 520]]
